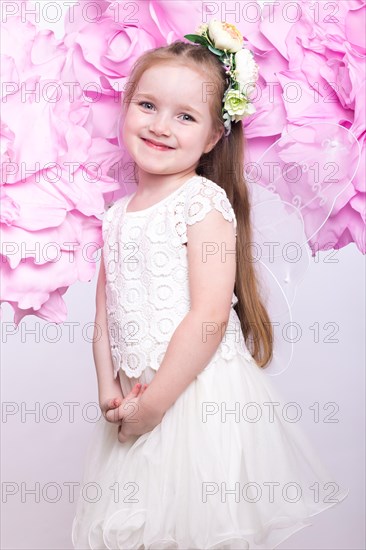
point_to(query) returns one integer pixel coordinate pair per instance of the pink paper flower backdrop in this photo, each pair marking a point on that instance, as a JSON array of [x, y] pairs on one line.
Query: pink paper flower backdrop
[[61, 155]]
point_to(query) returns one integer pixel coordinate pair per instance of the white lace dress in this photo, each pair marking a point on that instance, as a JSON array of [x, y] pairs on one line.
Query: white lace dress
[[224, 469]]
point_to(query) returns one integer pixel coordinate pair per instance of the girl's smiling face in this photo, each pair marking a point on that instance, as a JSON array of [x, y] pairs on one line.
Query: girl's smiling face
[[170, 106]]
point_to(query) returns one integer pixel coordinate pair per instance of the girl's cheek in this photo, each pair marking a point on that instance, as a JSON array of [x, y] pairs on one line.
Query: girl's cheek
[[139, 118]]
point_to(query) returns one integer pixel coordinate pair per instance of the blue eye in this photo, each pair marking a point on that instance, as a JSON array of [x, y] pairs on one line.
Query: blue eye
[[191, 118], [144, 103]]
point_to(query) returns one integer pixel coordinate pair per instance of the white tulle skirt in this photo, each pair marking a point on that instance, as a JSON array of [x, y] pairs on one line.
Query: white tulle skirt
[[223, 470]]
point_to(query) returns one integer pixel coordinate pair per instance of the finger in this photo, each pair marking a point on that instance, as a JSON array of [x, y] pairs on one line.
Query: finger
[[135, 391], [112, 415], [113, 403], [108, 405], [141, 390]]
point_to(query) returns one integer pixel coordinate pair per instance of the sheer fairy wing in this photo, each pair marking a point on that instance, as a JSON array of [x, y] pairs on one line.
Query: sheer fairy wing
[[294, 187]]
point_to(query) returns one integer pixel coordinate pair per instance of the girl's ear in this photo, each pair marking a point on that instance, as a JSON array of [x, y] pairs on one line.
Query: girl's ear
[[211, 144]]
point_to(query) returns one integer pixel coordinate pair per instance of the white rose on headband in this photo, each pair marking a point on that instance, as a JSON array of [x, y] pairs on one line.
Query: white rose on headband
[[246, 72], [225, 36]]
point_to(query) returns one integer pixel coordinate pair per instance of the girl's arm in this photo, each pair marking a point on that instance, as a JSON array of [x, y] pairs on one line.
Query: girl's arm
[[212, 268], [108, 387]]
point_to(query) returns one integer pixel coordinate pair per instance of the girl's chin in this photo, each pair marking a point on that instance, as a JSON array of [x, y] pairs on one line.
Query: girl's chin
[[156, 169]]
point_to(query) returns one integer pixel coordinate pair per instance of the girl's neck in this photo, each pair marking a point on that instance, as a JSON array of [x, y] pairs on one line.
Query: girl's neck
[[154, 184]]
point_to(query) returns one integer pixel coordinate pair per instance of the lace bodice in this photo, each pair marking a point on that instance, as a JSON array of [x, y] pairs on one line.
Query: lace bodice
[[147, 291]]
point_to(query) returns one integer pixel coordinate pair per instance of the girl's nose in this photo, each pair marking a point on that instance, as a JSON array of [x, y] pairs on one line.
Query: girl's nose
[[159, 125]]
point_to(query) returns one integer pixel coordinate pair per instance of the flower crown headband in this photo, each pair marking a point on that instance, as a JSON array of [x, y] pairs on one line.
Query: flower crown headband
[[225, 40]]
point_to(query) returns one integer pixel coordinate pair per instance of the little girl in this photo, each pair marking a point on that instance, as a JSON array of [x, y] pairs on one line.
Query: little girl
[[192, 450]]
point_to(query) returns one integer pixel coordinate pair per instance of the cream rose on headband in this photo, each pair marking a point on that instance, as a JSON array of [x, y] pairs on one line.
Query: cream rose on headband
[[225, 36], [225, 41]]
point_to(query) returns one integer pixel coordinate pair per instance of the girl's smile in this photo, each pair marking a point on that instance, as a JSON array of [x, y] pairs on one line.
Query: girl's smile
[[156, 145]]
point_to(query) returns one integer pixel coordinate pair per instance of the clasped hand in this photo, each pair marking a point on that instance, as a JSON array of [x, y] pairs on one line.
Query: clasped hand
[[131, 414]]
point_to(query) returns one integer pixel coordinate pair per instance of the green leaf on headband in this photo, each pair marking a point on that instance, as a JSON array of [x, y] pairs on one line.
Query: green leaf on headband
[[197, 38], [215, 50]]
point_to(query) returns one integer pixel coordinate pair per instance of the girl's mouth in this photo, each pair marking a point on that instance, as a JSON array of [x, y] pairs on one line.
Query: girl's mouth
[[158, 147]]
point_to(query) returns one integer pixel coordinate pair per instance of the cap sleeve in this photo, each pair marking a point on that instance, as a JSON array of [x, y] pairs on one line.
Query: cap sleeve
[[199, 201]]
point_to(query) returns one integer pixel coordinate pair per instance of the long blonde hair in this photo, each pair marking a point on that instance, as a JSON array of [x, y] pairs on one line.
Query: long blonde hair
[[224, 165]]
